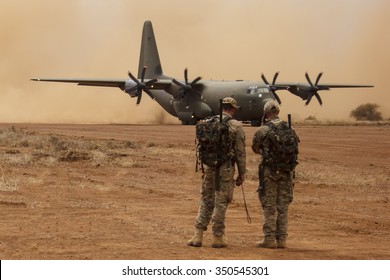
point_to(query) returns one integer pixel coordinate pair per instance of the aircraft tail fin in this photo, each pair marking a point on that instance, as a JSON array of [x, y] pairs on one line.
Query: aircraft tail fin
[[149, 54]]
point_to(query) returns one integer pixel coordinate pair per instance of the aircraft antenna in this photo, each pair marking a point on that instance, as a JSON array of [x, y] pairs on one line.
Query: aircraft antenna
[[220, 110]]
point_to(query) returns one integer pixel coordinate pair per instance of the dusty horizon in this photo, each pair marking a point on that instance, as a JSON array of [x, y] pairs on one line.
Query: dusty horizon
[[347, 40]]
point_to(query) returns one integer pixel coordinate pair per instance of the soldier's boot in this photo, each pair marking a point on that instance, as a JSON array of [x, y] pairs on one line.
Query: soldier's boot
[[281, 243], [267, 242], [218, 242], [197, 239]]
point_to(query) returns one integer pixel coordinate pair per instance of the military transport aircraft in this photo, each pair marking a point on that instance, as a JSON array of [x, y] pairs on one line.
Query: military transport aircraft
[[194, 100]]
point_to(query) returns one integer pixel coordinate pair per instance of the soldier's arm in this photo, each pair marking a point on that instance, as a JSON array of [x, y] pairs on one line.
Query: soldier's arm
[[258, 139]]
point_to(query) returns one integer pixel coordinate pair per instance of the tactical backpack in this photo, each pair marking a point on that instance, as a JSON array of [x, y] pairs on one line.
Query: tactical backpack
[[214, 143], [280, 148]]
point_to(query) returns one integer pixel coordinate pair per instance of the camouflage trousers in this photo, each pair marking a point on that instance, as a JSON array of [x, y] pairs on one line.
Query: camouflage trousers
[[214, 203], [275, 197]]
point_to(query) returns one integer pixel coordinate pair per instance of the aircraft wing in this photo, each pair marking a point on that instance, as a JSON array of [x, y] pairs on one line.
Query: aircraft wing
[[120, 83], [307, 90], [86, 82], [134, 87], [320, 86], [344, 86]]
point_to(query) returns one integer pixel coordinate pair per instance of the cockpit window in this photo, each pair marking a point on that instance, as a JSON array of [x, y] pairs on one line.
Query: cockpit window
[[252, 90], [257, 90], [263, 90]]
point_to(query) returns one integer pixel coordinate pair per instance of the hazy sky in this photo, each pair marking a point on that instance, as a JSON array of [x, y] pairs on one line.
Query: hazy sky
[[349, 40]]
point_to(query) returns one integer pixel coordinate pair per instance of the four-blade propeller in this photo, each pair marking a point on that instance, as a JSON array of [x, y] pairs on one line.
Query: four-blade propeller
[[314, 89], [187, 87], [272, 86], [141, 86]]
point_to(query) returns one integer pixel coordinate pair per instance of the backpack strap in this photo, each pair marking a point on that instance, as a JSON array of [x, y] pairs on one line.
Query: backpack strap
[[224, 118], [227, 118], [274, 128]]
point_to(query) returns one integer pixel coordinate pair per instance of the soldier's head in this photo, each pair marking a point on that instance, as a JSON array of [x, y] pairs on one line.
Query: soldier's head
[[229, 105], [271, 108]]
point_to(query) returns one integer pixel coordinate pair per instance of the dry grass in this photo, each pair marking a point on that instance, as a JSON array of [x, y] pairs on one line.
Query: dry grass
[[8, 183], [20, 147], [21, 150], [311, 172], [311, 122]]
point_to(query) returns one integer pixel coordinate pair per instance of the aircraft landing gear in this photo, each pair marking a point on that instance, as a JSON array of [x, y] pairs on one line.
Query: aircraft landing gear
[[193, 121], [255, 122]]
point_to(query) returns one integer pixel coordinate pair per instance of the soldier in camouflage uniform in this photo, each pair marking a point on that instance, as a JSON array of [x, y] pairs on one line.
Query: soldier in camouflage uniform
[[214, 203], [275, 188]]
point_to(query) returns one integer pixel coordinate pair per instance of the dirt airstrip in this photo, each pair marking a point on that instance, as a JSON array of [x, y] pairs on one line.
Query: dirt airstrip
[[131, 192]]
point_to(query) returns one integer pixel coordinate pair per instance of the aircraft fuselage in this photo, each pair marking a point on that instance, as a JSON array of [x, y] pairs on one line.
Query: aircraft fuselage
[[251, 97]]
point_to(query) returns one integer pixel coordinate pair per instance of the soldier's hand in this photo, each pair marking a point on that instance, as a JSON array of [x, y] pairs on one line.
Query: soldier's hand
[[239, 180]]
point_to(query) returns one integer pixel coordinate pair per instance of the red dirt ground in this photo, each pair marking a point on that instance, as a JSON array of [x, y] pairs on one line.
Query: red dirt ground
[[131, 192]]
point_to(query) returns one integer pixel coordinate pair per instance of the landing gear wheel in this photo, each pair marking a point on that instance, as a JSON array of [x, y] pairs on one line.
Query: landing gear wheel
[[255, 123], [193, 121]]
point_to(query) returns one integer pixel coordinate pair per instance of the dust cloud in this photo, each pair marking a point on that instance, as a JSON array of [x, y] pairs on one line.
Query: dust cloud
[[348, 40]]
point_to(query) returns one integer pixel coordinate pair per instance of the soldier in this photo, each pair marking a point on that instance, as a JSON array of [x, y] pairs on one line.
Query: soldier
[[214, 201], [275, 175]]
